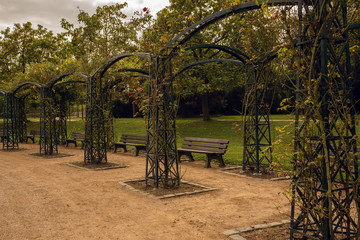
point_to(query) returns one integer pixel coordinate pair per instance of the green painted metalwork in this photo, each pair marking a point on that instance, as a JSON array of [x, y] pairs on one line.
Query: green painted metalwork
[[325, 187], [22, 120], [97, 122], [256, 132], [48, 138], [162, 163], [14, 115], [10, 138], [160, 79], [63, 106]]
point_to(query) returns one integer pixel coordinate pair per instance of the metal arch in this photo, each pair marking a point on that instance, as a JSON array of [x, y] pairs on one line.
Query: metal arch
[[117, 81], [104, 67], [60, 77], [354, 26], [61, 122], [162, 158], [181, 70], [96, 117], [232, 51], [267, 57], [3, 92], [213, 18], [19, 86], [133, 70], [48, 125], [14, 116], [142, 76], [67, 82]]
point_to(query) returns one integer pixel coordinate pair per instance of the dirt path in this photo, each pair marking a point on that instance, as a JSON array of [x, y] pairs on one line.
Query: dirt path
[[46, 199]]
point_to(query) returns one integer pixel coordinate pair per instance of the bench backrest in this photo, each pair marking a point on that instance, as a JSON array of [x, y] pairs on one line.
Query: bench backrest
[[205, 144], [3, 133], [35, 132], [78, 135], [133, 138]]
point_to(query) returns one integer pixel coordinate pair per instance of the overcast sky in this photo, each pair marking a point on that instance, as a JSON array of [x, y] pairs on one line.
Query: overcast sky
[[48, 13]]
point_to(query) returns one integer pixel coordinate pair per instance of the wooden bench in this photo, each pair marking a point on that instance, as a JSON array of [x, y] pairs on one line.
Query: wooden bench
[[213, 148], [76, 136], [135, 140], [3, 135], [32, 135]]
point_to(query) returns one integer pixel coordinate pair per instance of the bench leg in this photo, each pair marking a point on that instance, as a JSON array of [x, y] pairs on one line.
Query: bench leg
[[208, 161], [139, 148], [214, 156], [82, 144], [31, 138], [221, 161], [137, 151], [191, 159], [119, 146]]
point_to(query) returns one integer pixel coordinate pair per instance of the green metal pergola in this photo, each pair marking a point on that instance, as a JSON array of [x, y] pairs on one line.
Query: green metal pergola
[[325, 187]]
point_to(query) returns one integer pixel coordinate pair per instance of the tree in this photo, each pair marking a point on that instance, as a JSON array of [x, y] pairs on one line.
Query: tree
[[23, 46], [104, 34]]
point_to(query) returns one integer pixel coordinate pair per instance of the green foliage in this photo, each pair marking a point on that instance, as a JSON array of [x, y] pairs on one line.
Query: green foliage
[[104, 34], [22, 47]]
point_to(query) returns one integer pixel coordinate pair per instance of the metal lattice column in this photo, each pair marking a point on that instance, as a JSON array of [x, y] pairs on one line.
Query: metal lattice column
[[325, 187], [95, 136], [48, 139], [10, 139], [161, 155], [61, 130], [257, 137], [22, 120]]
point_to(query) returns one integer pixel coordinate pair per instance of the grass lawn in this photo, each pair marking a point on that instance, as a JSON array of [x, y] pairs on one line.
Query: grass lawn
[[219, 127]]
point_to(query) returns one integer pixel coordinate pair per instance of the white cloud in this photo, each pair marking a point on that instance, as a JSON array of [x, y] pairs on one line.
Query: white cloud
[[49, 13]]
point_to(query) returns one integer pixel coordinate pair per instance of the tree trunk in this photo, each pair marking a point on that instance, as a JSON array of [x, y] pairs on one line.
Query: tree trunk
[[205, 106], [133, 109]]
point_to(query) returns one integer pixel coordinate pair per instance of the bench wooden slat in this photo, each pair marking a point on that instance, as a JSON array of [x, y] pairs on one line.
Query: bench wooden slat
[[130, 144], [208, 140], [78, 135], [203, 144], [35, 132], [202, 150], [133, 142], [133, 139], [133, 135]]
